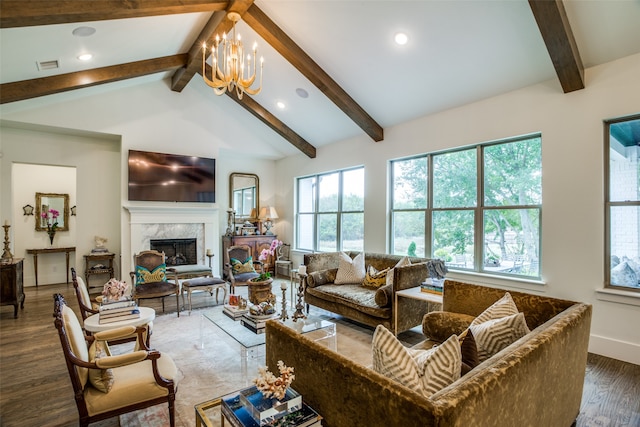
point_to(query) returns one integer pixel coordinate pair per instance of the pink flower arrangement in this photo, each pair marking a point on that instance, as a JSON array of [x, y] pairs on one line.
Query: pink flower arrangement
[[115, 290], [51, 216], [272, 250]]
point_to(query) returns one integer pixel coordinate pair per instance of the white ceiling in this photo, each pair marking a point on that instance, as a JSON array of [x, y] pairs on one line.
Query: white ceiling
[[458, 52]]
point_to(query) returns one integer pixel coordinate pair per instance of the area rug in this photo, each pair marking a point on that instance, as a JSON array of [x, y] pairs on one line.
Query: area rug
[[209, 361]]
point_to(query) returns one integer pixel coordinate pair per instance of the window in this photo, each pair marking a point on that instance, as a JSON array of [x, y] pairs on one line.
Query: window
[[330, 211], [622, 229], [477, 208]]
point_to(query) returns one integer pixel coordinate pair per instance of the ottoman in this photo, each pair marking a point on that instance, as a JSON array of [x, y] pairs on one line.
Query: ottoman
[[204, 283]]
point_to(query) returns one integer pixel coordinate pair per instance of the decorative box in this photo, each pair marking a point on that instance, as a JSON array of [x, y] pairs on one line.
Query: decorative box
[[266, 410]]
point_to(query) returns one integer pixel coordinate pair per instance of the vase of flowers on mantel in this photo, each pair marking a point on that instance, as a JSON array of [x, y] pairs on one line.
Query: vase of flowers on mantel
[[51, 217]]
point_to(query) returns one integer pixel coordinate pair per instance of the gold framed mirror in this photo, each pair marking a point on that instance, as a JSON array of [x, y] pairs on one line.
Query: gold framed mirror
[[244, 194], [47, 202]]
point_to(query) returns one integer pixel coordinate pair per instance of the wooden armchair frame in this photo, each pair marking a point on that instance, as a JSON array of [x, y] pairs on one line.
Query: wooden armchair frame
[[82, 293], [151, 260], [74, 363], [241, 252]]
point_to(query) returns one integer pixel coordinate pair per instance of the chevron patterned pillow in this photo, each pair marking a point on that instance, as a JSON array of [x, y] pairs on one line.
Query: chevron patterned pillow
[[499, 309], [496, 334], [425, 371]]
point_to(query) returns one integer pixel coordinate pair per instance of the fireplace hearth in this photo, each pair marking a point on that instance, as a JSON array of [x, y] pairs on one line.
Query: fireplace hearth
[[177, 251]]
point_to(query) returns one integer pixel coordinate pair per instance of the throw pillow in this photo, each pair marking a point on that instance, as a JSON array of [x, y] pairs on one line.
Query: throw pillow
[[469, 351], [158, 274], [404, 261], [374, 278], [496, 334], [425, 371], [101, 379], [350, 271], [245, 266], [501, 308]]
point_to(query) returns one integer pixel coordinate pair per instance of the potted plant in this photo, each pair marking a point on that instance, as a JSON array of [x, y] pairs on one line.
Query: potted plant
[[260, 288]]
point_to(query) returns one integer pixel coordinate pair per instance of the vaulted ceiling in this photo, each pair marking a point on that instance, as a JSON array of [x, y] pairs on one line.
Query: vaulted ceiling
[[339, 52]]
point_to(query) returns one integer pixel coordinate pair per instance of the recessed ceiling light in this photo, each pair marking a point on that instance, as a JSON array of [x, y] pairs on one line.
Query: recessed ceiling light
[[401, 38], [83, 31], [281, 105], [302, 93], [85, 57]]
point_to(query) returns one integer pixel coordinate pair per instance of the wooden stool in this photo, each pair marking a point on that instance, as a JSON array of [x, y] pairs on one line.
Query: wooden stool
[[204, 283]]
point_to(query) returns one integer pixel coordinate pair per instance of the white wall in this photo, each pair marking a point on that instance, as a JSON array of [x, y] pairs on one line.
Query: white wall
[[92, 186], [573, 203]]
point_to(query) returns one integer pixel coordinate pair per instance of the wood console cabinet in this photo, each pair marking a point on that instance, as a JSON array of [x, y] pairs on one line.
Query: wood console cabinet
[[256, 242], [11, 284]]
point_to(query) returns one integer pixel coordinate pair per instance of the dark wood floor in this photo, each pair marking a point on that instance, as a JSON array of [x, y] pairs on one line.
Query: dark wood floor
[[35, 388]]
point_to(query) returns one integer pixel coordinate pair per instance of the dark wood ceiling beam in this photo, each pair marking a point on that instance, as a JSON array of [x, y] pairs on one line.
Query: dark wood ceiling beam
[[274, 123], [558, 37], [26, 89], [281, 42], [25, 13], [218, 24]]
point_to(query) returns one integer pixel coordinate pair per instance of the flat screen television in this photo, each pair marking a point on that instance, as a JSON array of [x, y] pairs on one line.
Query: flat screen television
[[163, 177]]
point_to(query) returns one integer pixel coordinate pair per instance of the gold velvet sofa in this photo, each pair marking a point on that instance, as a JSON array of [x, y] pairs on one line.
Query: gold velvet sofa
[[368, 306], [535, 381]]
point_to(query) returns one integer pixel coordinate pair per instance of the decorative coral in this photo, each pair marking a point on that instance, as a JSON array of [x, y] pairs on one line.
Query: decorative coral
[[270, 385]]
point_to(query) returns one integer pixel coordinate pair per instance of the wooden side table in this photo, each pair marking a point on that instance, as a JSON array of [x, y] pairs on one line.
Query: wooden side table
[[413, 293], [91, 261]]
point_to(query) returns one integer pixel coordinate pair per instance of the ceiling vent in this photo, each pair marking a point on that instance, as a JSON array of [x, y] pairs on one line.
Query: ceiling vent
[[48, 65]]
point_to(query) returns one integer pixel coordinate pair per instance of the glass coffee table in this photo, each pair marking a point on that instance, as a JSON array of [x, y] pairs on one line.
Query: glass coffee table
[[252, 344]]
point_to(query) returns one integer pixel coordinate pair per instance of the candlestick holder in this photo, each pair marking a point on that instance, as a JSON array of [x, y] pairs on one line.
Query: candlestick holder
[[6, 255], [299, 313], [283, 315]]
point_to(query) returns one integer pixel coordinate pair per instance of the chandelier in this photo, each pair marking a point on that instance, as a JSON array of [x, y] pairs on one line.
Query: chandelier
[[230, 69]]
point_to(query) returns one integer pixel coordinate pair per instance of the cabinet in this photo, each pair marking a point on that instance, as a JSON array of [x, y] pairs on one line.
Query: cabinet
[[98, 263], [11, 284], [256, 242]]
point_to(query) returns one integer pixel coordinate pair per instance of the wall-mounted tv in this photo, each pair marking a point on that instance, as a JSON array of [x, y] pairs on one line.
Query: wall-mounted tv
[[171, 178]]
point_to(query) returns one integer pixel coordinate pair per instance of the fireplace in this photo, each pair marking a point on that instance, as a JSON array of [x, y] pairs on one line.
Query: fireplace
[[177, 251]]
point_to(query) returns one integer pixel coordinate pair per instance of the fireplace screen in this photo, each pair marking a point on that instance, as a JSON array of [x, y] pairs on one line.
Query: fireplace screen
[[177, 251]]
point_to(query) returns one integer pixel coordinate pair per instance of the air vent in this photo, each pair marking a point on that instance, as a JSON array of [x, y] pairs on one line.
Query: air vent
[[48, 65]]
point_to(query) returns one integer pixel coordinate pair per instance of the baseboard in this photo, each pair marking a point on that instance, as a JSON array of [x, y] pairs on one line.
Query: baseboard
[[620, 350]]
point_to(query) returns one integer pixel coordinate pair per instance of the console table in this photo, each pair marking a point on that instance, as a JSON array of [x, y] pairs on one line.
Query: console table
[[36, 252]]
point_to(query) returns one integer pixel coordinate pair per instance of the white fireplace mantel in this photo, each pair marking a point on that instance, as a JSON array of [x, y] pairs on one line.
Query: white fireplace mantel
[[171, 214], [162, 222]]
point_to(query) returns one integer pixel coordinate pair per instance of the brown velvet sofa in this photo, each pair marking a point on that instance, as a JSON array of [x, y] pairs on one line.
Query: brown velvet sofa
[[368, 306], [535, 381]]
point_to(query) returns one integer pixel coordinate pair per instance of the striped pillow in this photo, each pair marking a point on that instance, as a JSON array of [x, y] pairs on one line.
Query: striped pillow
[[496, 334], [425, 371], [350, 271], [499, 309]]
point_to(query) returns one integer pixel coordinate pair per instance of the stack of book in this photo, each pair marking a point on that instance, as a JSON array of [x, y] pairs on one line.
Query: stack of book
[[431, 287], [118, 310], [254, 324], [240, 413], [234, 312]]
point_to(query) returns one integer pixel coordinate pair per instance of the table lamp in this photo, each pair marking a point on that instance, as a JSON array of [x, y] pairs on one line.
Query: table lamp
[[267, 213]]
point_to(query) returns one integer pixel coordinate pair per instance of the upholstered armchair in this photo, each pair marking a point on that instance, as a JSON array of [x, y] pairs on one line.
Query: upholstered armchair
[[89, 307], [106, 385], [240, 266], [149, 280]]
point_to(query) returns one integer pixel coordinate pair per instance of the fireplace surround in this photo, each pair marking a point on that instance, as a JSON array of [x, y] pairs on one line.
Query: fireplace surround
[[174, 223]]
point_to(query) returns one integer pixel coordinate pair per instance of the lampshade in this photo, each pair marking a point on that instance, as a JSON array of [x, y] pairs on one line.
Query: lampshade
[[254, 213], [268, 212]]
